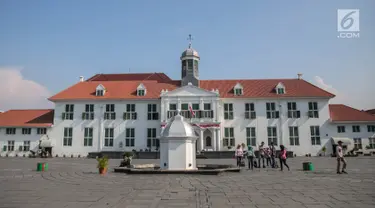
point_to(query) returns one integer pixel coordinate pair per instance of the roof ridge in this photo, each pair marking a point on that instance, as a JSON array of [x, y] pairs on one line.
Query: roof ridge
[[333, 95], [362, 111]]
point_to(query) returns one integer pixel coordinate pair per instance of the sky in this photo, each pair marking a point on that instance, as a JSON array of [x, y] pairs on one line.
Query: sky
[[46, 45]]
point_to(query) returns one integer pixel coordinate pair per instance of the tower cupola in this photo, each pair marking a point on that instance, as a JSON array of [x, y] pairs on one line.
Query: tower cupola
[[189, 66]]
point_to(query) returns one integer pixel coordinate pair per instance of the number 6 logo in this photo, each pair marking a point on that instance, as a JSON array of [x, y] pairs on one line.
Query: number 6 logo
[[347, 20]]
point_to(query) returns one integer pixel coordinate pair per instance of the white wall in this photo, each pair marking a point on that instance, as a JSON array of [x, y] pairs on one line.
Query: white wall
[[140, 125], [239, 123], [19, 139], [363, 134]]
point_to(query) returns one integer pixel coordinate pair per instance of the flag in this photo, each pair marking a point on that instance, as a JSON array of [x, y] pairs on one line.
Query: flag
[[191, 111]]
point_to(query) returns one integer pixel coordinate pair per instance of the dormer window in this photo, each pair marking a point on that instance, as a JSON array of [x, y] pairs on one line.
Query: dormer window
[[141, 90], [280, 89], [100, 90], [238, 89]]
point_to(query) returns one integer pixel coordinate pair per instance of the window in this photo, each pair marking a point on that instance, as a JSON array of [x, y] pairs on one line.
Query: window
[[208, 142], [89, 112], [315, 135], [190, 65], [152, 141], [185, 110], [341, 129], [130, 113], [129, 137], [229, 140], [251, 136], [313, 110], [228, 111], [293, 135], [272, 135], [108, 137], [195, 107], [10, 131], [110, 113], [11, 145], [356, 129], [207, 112], [152, 113], [250, 111], [371, 128], [172, 110], [99, 92], [271, 111], [238, 91], [40, 131], [68, 136], [280, 90], [26, 146], [357, 143], [371, 142], [292, 110], [26, 130], [87, 139], [69, 112], [141, 92]]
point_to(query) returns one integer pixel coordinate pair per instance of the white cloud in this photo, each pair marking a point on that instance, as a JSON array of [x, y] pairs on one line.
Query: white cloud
[[352, 97], [16, 92]]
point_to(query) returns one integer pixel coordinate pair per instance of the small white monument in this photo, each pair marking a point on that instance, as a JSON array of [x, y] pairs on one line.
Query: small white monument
[[177, 145]]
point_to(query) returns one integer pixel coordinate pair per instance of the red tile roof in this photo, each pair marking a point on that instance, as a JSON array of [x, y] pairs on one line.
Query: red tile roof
[[371, 111], [339, 112], [124, 86], [27, 118]]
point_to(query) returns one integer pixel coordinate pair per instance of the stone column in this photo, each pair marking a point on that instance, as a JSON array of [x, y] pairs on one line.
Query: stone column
[[201, 140], [214, 132], [218, 138]]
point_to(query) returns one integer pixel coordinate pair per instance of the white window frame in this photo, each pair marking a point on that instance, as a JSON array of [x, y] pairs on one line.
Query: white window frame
[[315, 135], [130, 112], [357, 143], [152, 112], [293, 111], [151, 138], [371, 128], [228, 111], [26, 131], [89, 112], [251, 137], [294, 136], [272, 135], [229, 139], [10, 145], [250, 111], [41, 131], [313, 110], [26, 146], [356, 128], [129, 137], [10, 131], [110, 112], [68, 137], [69, 112], [271, 112], [341, 129], [88, 135], [371, 142], [109, 137]]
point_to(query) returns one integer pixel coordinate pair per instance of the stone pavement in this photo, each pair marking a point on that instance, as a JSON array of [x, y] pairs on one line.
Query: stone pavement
[[74, 182]]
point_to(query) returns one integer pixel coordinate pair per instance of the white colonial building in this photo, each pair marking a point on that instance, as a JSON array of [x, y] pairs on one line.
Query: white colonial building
[[124, 112]]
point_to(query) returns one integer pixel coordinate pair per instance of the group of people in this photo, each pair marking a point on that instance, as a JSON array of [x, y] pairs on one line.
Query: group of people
[[267, 153]]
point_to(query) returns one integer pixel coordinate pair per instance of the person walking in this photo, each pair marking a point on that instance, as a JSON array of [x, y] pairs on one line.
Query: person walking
[[239, 154], [340, 158], [283, 157], [261, 155], [250, 157], [273, 155]]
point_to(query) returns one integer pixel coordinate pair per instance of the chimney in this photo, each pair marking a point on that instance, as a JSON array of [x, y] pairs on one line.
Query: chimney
[[299, 76], [81, 79]]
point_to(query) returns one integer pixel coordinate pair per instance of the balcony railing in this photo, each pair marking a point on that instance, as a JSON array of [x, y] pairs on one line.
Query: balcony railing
[[199, 114]]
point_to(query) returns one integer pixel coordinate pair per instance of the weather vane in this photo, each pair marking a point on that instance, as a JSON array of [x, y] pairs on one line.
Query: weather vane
[[190, 38]]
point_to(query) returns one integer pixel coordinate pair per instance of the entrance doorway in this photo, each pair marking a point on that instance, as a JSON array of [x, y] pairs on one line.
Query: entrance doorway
[[208, 142]]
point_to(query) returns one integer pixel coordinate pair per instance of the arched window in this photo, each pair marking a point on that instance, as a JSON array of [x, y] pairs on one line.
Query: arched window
[[208, 141]]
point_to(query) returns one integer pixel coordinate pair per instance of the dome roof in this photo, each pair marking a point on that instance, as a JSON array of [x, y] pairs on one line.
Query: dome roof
[[190, 52], [177, 127]]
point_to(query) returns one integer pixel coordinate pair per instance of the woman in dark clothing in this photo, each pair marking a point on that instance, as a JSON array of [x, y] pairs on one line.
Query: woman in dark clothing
[[283, 157]]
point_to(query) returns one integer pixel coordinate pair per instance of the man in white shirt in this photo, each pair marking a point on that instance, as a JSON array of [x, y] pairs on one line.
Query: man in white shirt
[[340, 158]]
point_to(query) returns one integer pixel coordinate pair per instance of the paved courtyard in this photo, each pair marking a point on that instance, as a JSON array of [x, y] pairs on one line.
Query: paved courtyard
[[74, 182]]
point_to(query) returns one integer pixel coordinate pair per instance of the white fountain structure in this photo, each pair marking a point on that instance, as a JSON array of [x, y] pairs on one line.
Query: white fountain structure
[[177, 145]]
